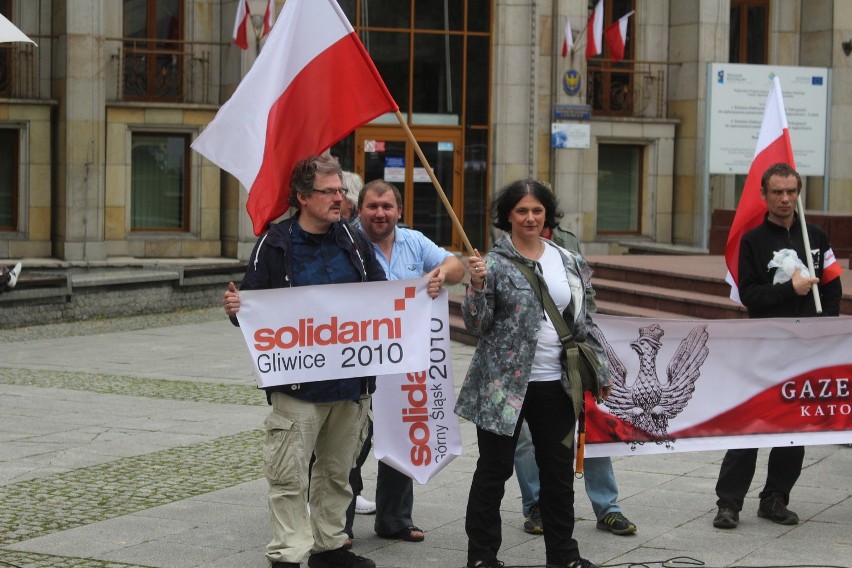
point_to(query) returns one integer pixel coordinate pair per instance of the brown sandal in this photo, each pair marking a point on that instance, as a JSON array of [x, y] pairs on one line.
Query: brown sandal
[[407, 534]]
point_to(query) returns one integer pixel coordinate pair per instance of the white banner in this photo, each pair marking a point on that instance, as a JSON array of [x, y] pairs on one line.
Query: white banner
[[683, 385], [336, 331], [414, 427]]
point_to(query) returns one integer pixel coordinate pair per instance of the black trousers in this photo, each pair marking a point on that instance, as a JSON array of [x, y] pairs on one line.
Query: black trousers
[[550, 415], [737, 471]]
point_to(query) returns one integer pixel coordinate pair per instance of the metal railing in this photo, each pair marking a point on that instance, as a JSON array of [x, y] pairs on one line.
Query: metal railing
[[18, 71], [627, 88], [163, 71]]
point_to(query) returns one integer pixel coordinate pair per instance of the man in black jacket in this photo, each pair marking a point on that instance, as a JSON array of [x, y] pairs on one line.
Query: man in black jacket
[[764, 298], [326, 418]]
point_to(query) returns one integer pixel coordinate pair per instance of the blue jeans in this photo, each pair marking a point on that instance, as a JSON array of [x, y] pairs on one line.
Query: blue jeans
[[599, 477]]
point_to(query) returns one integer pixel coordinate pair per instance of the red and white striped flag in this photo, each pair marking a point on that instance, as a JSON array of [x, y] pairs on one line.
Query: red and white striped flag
[[594, 31], [616, 37], [269, 17], [241, 21], [312, 84], [773, 146], [568, 39]]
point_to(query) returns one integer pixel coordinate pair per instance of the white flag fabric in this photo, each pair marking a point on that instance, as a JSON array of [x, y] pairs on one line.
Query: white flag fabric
[[415, 430], [594, 32], [9, 32], [567, 39], [304, 334], [241, 18]]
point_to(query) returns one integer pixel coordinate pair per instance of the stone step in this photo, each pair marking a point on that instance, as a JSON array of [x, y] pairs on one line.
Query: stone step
[[670, 300]]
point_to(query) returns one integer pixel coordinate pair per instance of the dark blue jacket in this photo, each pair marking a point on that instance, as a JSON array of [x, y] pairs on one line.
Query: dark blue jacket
[[271, 266]]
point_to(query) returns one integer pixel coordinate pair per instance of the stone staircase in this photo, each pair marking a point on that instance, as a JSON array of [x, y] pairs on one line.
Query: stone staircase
[[658, 287]]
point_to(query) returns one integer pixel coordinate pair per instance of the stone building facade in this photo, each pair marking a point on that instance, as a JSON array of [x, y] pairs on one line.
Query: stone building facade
[[96, 122]]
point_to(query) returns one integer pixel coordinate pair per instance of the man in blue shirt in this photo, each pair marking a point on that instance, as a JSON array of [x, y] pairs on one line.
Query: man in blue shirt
[[404, 254], [328, 419]]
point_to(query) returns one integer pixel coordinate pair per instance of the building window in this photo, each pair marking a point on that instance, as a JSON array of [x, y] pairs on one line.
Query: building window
[[9, 143], [159, 182], [619, 188], [153, 50], [749, 31], [610, 83]]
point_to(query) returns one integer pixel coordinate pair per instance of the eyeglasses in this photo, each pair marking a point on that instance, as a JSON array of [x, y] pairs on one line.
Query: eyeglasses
[[332, 192]]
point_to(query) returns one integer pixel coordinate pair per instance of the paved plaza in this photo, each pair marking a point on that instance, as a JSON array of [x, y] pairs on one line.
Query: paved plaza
[[135, 442]]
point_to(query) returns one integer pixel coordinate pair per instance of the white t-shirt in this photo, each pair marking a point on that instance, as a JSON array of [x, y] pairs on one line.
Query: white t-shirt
[[546, 364]]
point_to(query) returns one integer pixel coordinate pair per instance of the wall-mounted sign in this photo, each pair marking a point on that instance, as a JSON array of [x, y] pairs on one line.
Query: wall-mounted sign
[[570, 135], [572, 112], [571, 82]]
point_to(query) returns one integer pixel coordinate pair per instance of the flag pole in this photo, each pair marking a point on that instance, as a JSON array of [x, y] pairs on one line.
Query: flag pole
[[435, 182], [810, 258]]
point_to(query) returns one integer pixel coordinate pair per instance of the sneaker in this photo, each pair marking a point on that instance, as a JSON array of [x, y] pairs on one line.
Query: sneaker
[[774, 509], [339, 558], [364, 506], [578, 563], [616, 523], [726, 519], [532, 522], [486, 564], [13, 276]]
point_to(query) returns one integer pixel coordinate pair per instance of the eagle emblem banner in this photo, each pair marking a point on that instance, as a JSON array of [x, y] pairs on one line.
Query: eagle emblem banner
[[688, 385]]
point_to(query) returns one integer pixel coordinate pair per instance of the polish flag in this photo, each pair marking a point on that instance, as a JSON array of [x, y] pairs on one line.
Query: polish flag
[[240, 23], [773, 146], [594, 34], [312, 84], [568, 39], [616, 37], [269, 17]]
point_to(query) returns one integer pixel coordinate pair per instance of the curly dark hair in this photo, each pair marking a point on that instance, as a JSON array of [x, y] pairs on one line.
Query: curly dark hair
[[509, 196], [305, 173]]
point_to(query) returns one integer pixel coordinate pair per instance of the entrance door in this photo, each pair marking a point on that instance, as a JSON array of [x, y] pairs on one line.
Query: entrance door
[[383, 152]]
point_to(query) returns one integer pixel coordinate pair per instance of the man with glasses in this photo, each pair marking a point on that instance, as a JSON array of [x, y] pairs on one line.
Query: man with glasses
[[326, 418]]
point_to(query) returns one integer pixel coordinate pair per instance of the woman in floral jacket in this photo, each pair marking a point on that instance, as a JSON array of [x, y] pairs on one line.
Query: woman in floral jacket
[[517, 374]]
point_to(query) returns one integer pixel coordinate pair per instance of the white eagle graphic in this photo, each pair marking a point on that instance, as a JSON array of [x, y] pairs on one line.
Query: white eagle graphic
[[648, 404]]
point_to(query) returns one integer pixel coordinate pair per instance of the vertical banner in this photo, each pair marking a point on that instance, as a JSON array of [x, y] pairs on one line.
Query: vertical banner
[[414, 427]]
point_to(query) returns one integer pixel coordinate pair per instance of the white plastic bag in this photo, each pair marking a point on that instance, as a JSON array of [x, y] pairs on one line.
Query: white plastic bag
[[787, 262]]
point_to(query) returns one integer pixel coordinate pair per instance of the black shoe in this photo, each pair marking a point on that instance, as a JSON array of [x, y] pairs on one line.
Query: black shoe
[[726, 519], [339, 558], [285, 565], [774, 509], [532, 522], [485, 564], [579, 563], [616, 523]]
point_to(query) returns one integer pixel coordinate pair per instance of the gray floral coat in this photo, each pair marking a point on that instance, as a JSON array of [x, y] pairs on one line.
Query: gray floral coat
[[507, 315]]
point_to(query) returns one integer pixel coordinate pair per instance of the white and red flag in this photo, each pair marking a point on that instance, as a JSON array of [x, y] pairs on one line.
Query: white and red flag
[[594, 31], [616, 37], [241, 20], [311, 86], [269, 17], [773, 146], [568, 39]]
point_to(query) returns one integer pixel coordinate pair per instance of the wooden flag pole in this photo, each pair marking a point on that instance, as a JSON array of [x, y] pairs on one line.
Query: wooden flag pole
[[435, 182], [806, 239]]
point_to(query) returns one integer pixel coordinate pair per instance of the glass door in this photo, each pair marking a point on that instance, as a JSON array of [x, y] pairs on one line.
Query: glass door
[[385, 153]]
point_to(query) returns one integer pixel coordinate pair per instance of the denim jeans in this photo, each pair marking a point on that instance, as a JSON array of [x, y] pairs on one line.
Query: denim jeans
[[599, 477]]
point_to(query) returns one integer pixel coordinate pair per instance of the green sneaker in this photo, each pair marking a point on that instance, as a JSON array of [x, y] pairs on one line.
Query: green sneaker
[[532, 522], [616, 523]]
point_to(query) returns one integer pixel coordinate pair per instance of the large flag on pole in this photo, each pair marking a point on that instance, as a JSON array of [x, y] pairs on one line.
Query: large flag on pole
[[773, 146], [241, 19], [312, 84], [9, 32], [616, 37], [594, 33]]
